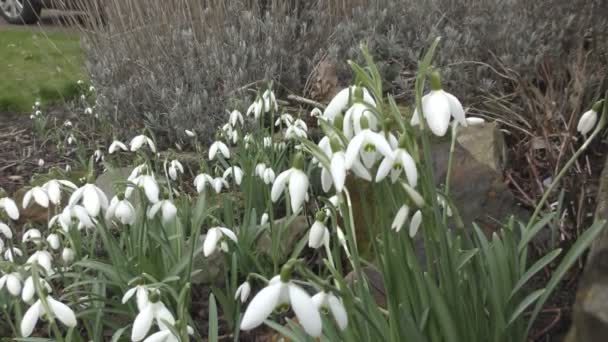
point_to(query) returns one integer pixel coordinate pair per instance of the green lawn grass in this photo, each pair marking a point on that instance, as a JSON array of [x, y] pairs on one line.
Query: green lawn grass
[[37, 65]]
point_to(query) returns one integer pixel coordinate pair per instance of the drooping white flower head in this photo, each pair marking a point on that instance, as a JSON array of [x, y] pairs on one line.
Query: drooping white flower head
[[215, 236], [285, 119], [43, 259], [13, 283], [117, 145], [175, 168], [235, 117], [400, 161], [56, 309], [368, 146], [167, 209], [190, 133], [297, 181], [438, 106], [76, 211], [53, 189], [587, 122], [33, 235], [400, 218], [141, 295], [242, 292], [9, 207], [98, 156], [221, 147], [264, 219], [93, 199], [277, 293], [268, 176], [153, 311], [318, 235], [141, 140], [340, 102], [353, 118], [53, 241], [38, 194], [122, 210], [328, 301], [29, 289], [238, 174], [415, 223], [12, 252], [68, 255], [6, 231]]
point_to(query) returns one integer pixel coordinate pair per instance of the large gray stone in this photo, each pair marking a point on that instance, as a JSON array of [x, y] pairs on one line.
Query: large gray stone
[[106, 180], [590, 311]]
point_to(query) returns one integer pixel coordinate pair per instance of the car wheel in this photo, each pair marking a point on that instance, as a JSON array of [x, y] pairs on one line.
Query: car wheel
[[20, 11]]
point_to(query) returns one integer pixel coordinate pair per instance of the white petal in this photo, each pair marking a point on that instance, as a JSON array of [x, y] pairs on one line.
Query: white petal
[[380, 143], [352, 151], [142, 323], [211, 240], [261, 306], [130, 292], [62, 312], [213, 150], [414, 195], [474, 121], [53, 191], [228, 233], [587, 122], [385, 167], [415, 223], [27, 198], [160, 336], [400, 218], [13, 284], [163, 315], [409, 166], [360, 170], [40, 197], [298, 185], [326, 180], [137, 142], [338, 311], [150, 188], [10, 207], [456, 109], [437, 112], [90, 200], [316, 234], [224, 150], [142, 297], [307, 313], [279, 185], [169, 211], [338, 171], [29, 320], [28, 290], [6, 230]]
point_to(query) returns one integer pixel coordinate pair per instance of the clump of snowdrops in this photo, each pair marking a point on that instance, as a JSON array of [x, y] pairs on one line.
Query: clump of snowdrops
[[121, 268]]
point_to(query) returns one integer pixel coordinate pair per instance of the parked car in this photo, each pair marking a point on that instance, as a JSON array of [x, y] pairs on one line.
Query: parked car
[[28, 11]]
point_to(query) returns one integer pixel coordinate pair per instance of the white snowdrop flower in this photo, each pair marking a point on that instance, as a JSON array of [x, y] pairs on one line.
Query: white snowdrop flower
[[353, 117], [438, 107], [587, 122], [29, 290], [33, 235], [247, 139], [68, 123], [328, 301], [400, 218], [11, 253], [167, 209], [154, 311], [280, 292], [38, 194], [13, 283], [214, 237], [53, 241], [141, 140], [298, 183], [259, 170], [190, 133], [318, 235], [6, 231], [415, 223], [88, 111], [413, 194], [285, 119], [9, 207], [242, 292], [270, 102], [92, 197], [53, 189], [268, 176], [80, 82], [280, 146], [122, 210], [91, 89], [264, 219], [295, 132], [68, 255], [65, 218], [68, 168], [400, 161], [71, 140], [255, 109], [316, 113], [37, 104], [340, 102], [238, 174], [475, 121], [165, 335], [218, 183], [141, 296], [267, 142], [44, 259], [56, 309], [236, 117], [117, 145], [221, 147], [98, 156], [175, 168], [201, 180], [151, 189], [367, 145]]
